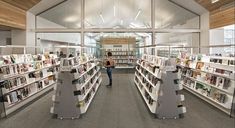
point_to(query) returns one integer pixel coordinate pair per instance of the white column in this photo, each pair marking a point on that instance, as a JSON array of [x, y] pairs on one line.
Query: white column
[[204, 35]]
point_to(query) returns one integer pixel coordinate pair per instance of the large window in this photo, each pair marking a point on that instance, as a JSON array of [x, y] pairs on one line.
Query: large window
[[65, 15], [117, 13], [102, 17], [223, 36], [171, 15]]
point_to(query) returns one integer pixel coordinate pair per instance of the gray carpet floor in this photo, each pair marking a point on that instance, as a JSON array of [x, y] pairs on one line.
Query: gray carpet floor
[[119, 107]]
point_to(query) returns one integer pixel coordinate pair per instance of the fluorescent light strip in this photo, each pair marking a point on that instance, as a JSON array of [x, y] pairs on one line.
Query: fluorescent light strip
[[114, 11], [102, 18], [138, 14]]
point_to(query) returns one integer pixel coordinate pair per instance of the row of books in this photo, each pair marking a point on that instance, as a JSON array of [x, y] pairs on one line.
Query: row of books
[[156, 60], [145, 93], [185, 58], [150, 68], [205, 67], [21, 68], [18, 95], [82, 69], [206, 90], [6, 60], [90, 94], [218, 81], [20, 81]]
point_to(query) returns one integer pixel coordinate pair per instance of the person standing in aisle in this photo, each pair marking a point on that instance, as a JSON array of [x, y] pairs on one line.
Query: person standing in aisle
[[109, 64]]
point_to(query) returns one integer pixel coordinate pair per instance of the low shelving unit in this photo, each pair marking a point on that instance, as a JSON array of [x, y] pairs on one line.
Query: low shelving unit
[[78, 82], [123, 58], [157, 84], [209, 77], [24, 77]]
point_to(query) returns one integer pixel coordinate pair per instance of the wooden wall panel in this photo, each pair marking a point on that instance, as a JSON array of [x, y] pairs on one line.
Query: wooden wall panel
[[118, 40], [221, 18], [213, 6], [12, 16], [22, 4]]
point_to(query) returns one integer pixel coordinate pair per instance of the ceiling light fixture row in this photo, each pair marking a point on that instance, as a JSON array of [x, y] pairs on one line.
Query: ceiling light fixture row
[[137, 15], [102, 18], [114, 11]]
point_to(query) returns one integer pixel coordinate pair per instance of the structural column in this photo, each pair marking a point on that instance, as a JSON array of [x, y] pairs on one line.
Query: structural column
[[153, 21], [82, 23]]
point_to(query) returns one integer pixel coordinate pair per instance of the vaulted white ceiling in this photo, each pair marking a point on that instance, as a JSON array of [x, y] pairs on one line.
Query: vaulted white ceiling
[[118, 13]]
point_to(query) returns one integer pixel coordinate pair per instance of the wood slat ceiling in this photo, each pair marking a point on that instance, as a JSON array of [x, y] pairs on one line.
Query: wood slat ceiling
[[213, 6], [22, 4], [11, 16], [220, 18]]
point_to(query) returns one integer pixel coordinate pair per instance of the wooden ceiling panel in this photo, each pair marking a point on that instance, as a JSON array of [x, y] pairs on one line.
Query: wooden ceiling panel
[[107, 40], [22, 4], [207, 4], [220, 18], [11, 16]]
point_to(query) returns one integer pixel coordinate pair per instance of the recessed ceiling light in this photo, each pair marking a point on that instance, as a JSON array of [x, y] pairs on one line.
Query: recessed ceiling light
[[214, 1], [71, 19]]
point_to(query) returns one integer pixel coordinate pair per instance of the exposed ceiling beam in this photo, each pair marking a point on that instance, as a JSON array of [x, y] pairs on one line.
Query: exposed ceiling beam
[[121, 30], [22, 4]]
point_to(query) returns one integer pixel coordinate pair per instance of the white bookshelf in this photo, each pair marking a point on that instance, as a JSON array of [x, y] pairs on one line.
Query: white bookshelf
[[25, 77], [78, 82], [154, 79], [122, 57], [211, 78]]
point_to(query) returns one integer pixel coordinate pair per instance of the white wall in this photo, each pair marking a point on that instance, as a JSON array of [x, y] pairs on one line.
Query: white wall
[[189, 39], [216, 38], [24, 37], [18, 38], [30, 35], [44, 23], [61, 37], [191, 23], [204, 36], [3, 36]]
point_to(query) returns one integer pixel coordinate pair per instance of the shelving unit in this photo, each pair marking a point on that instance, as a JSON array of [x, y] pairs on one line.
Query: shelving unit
[[24, 77], [209, 77], [78, 82], [157, 82], [123, 58]]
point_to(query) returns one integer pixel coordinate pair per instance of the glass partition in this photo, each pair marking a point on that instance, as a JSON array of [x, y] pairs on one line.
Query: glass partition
[[222, 36], [171, 15], [117, 13], [65, 15]]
